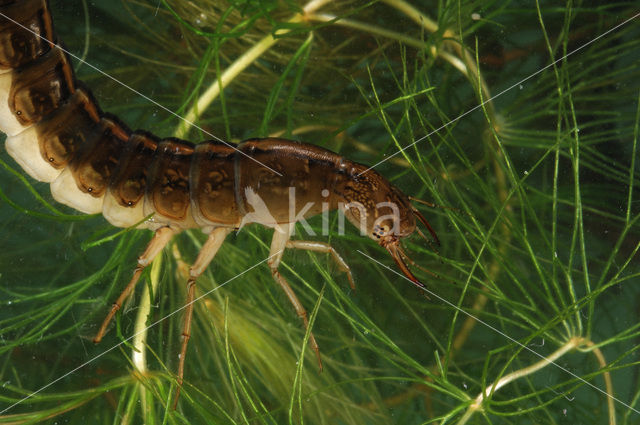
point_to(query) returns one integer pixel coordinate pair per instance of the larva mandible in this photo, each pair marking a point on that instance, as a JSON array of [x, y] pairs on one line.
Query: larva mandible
[[95, 164]]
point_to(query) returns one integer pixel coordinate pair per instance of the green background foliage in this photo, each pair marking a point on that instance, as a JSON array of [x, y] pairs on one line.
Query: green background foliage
[[539, 221]]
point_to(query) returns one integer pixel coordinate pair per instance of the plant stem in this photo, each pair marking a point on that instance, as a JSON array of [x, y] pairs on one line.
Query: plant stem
[[139, 352], [240, 65], [572, 344], [466, 64], [489, 390], [607, 380]]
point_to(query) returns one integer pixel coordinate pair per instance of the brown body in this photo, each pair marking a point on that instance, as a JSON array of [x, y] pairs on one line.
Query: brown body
[[96, 164], [180, 184]]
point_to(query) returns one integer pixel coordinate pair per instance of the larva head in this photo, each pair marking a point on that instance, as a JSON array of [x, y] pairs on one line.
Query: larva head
[[382, 212]]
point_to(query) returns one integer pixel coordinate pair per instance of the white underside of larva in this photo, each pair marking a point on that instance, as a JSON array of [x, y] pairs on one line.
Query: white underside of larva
[[121, 216], [23, 146], [25, 149], [65, 190], [22, 142], [8, 121]]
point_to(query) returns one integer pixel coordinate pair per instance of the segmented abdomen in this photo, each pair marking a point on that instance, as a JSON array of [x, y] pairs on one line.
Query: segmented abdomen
[[95, 164]]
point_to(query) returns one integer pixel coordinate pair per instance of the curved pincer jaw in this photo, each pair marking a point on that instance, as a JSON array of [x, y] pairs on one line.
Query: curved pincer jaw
[[393, 246]]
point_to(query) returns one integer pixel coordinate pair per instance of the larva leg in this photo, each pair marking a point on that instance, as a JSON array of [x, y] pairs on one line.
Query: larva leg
[[278, 244], [158, 242], [208, 251], [326, 248]]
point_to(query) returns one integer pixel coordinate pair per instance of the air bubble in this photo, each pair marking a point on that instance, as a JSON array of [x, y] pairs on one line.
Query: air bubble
[[201, 20]]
